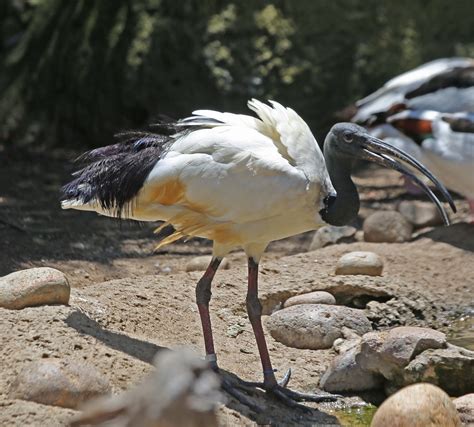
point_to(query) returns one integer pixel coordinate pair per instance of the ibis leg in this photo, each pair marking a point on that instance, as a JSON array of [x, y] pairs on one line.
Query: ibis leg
[[203, 296], [254, 310], [270, 384]]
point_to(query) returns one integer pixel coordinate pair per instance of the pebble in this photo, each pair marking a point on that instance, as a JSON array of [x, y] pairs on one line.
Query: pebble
[[200, 263], [330, 234], [465, 407], [387, 226], [317, 297], [360, 262], [315, 326], [420, 214], [59, 383], [33, 287], [418, 405]]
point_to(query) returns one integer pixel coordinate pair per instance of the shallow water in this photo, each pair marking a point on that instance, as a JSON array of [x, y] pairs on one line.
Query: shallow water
[[462, 333], [356, 416]]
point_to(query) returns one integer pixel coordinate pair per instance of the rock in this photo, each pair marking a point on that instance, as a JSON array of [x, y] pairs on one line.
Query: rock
[[387, 226], [360, 262], [330, 234], [315, 326], [465, 407], [388, 352], [59, 383], [182, 391], [200, 263], [345, 374], [419, 405], [450, 368], [420, 214], [32, 287], [317, 297]]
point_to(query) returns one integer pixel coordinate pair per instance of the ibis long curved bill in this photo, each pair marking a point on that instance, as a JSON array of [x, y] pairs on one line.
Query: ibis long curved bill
[[380, 152]]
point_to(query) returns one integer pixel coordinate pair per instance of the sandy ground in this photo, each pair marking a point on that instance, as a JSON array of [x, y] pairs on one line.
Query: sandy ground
[[127, 303]]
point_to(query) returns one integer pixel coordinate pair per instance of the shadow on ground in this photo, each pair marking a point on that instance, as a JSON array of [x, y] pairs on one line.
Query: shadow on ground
[[273, 412]]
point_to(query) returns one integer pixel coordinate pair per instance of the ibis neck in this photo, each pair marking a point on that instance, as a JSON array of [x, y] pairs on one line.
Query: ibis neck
[[346, 206]]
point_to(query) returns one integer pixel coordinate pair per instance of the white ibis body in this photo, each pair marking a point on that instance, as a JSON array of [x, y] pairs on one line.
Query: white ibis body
[[240, 181], [444, 142], [444, 85]]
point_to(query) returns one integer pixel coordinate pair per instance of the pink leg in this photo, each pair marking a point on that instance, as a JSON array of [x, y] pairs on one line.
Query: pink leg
[[254, 310], [203, 296]]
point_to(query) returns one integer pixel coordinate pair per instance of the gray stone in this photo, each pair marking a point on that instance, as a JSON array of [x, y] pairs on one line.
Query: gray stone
[[388, 352], [330, 234], [420, 214], [387, 226], [59, 383], [315, 326], [465, 407], [182, 391], [200, 263], [360, 262], [317, 297], [418, 405], [33, 287], [450, 368], [345, 374]]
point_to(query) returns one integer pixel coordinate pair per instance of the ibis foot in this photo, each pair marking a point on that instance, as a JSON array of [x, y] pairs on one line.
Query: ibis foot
[[289, 397]]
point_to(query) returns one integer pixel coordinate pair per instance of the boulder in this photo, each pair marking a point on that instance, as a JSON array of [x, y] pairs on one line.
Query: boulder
[[450, 368], [420, 214], [387, 226], [360, 262], [345, 374], [59, 383], [330, 234], [418, 405], [317, 297], [200, 263], [33, 287], [315, 326], [465, 407], [388, 352]]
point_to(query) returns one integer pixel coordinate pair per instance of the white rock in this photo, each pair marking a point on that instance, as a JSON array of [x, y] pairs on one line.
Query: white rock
[[465, 407], [330, 234], [387, 226], [315, 326], [317, 297], [200, 263], [32, 287], [59, 383], [418, 405], [360, 262], [420, 214]]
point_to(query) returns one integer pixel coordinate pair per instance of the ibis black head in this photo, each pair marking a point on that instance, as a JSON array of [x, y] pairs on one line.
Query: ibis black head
[[347, 142]]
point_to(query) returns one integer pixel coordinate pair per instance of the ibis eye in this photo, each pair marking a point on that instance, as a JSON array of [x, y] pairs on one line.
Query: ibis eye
[[348, 136]]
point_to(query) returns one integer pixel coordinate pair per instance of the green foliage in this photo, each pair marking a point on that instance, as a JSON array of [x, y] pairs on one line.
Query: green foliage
[[74, 72]]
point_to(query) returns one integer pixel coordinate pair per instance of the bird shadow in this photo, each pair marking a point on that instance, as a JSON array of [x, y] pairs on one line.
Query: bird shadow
[[459, 235], [271, 411]]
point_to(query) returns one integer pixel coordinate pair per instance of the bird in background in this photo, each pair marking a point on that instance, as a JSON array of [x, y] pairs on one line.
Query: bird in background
[[429, 113], [242, 182]]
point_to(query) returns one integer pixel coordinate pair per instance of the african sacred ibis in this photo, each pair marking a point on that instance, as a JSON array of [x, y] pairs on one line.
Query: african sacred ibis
[[240, 181], [445, 85], [445, 144]]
